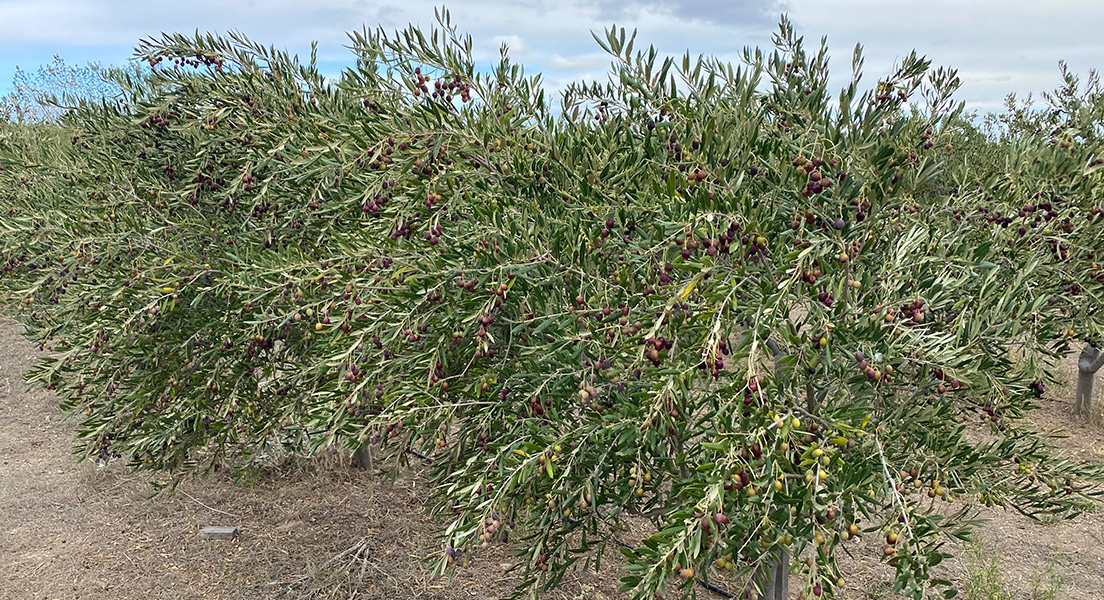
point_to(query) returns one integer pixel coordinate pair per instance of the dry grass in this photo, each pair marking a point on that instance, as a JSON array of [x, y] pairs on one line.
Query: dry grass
[[308, 529], [319, 529]]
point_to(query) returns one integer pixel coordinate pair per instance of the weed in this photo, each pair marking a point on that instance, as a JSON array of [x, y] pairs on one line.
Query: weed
[[1047, 585], [983, 577], [984, 581]]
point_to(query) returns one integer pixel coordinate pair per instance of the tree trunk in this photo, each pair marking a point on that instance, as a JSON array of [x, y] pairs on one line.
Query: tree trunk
[[1090, 361], [774, 577], [778, 586], [362, 458]]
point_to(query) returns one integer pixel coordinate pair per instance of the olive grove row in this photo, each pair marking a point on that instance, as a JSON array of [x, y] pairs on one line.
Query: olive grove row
[[764, 316]]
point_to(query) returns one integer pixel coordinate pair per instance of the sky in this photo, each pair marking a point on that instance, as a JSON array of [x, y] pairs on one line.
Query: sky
[[998, 47]]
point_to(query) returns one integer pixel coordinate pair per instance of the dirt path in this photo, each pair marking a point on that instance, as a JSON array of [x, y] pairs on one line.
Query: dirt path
[[75, 531], [72, 531]]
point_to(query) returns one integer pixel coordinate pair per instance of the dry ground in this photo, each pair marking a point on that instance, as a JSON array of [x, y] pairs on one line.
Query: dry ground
[[76, 531]]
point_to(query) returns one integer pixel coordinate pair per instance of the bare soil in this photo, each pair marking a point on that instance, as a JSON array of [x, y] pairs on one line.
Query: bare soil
[[319, 529]]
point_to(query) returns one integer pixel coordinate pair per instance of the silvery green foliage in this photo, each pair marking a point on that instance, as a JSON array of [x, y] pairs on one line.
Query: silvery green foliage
[[701, 294]]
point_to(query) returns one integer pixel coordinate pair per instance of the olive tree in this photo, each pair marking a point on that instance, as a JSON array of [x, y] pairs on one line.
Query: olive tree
[[698, 295], [1033, 186], [42, 95]]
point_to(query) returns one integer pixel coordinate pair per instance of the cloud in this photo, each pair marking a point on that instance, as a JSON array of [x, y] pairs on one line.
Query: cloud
[[580, 62], [115, 22], [738, 13], [513, 42], [999, 46], [490, 50]]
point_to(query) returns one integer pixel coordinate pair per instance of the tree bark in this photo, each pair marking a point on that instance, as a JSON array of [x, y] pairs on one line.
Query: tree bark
[[1090, 361], [776, 584], [773, 578], [362, 458], [778, 587]]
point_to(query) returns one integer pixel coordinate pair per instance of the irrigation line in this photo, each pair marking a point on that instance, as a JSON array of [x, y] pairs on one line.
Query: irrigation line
[[421, 455], [715, 589], [223, 512]]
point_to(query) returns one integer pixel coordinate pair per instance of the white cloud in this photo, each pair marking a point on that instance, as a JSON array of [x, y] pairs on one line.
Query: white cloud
[[580, 62], [515, 44], [998, 47]]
